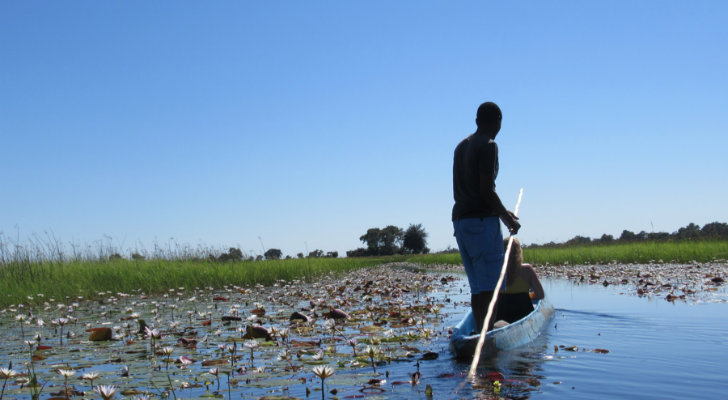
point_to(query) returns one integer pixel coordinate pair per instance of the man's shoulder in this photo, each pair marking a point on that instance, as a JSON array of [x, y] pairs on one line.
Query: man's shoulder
[[484, 144]]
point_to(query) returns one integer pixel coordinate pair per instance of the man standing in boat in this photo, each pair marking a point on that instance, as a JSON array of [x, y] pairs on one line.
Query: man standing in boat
[[478, 210]]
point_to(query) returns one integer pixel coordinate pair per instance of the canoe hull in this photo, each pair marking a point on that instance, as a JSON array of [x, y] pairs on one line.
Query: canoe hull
[[523, 331]]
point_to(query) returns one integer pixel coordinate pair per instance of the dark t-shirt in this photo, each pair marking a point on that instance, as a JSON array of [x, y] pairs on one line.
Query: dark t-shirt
[[476, 154]]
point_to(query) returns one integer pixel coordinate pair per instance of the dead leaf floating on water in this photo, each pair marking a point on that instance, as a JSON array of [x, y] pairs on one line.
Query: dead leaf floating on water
[[495, 376], [601, 351], [187, 342], [257, 332], [99, 334], [297, 316], [336, 313]]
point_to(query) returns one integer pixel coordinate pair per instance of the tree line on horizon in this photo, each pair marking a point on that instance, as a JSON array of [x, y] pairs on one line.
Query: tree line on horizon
[[385, 241], [392, 240], [692, 231]]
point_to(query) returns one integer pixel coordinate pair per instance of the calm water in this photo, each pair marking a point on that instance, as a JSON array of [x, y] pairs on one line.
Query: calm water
[[657, 349]]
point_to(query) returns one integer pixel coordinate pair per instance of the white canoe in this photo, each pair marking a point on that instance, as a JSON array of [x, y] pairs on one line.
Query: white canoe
[[464, 339]]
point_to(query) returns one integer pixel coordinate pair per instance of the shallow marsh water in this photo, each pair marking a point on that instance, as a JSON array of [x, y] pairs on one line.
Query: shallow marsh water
[[656, 349]]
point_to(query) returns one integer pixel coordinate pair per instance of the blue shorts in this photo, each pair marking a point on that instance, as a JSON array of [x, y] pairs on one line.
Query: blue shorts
[[481, 248]]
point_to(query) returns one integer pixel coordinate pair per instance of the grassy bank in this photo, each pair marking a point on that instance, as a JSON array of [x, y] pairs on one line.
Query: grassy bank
[[638, 252], [65, 281]]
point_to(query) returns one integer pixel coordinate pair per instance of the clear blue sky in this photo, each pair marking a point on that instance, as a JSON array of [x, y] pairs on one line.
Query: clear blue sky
[[303, 123]]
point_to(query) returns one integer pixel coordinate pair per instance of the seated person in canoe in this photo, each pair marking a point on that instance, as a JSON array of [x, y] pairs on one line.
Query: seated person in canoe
[[522, 286]]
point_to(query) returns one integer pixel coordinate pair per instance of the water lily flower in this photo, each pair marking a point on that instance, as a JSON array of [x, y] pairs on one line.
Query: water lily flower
[[106, 391], [66, 373], [216, 372], [152, 334], [5, 374], [91, 377], [185, 361], [371, 352], [251, 344], [323, 372]]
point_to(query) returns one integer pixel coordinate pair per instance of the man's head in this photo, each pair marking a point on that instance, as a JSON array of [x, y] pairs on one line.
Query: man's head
[[489, 118]]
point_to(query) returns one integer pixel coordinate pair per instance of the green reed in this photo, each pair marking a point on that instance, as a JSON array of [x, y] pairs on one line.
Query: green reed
[[637, 252], [21, 278], [59, 280]]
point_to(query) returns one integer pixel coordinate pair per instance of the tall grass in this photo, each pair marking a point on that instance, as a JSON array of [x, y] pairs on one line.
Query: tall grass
[[637, 252], [45, 268], [61, 280]]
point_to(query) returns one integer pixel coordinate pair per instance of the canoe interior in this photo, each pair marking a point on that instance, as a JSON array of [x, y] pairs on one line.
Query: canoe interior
[[464, 339]]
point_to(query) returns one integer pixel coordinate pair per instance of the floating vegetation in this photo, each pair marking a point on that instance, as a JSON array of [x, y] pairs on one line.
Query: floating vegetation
[[273, 340]]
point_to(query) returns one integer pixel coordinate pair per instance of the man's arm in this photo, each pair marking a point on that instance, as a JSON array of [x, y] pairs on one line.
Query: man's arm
[[490, 197]]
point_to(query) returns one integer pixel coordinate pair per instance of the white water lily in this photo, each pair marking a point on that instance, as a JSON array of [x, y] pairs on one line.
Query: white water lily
[[106, 391], [7, 373], [323, 372], [90, 376], [152, 333], [66, 373]]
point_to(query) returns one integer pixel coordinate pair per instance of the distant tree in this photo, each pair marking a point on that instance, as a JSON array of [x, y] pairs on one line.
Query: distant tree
[[659, 236], [578, 240], [390, 241], [360, 252], [233, 254], [627, 236], [316, 253], [372, 238], [715, 230], [692, 231], [299, 255], [414, 239], [332, 254], [259, 257], [137, 256], [384, 241], [273, 254], [606, 238]]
